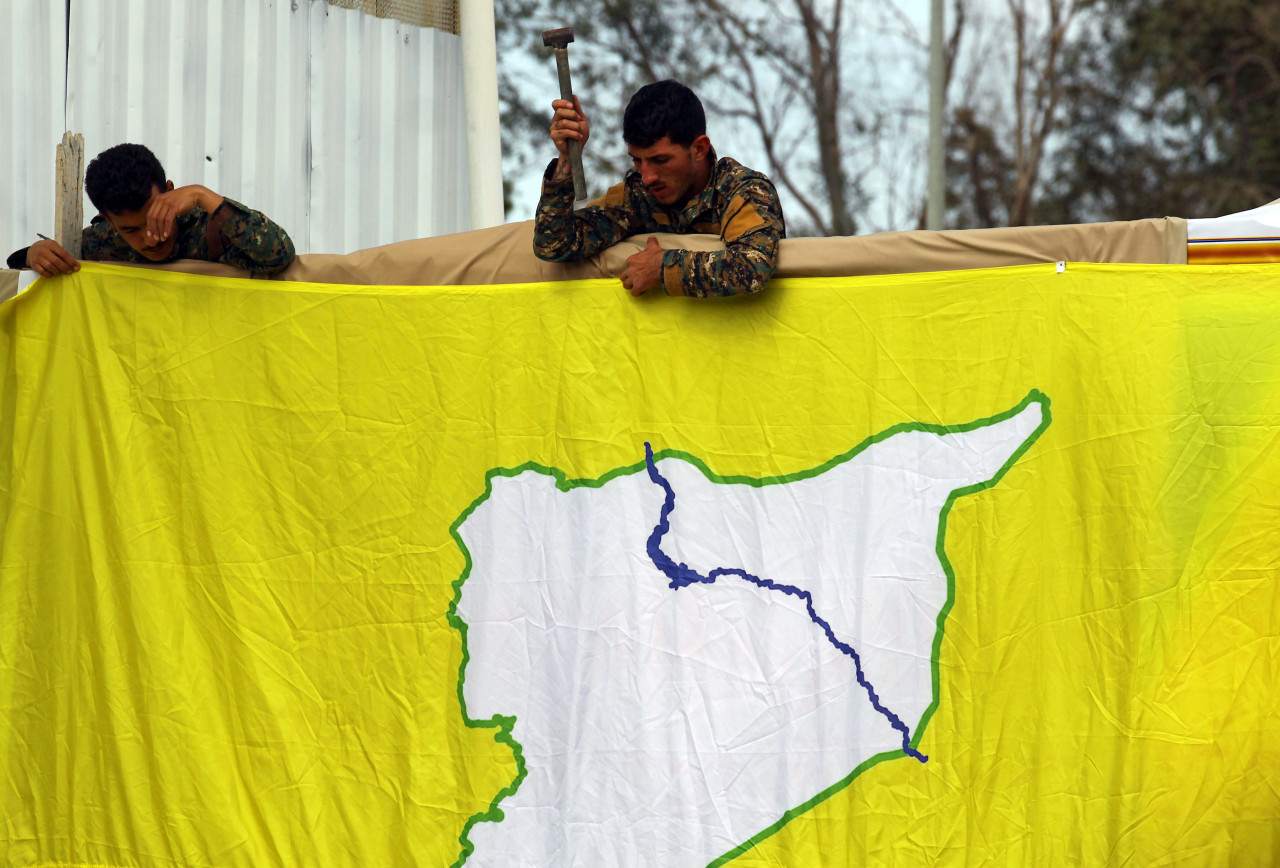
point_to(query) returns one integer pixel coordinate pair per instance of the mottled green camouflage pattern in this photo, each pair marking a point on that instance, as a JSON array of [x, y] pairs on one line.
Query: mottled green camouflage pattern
[[738, 204], [238, 236]]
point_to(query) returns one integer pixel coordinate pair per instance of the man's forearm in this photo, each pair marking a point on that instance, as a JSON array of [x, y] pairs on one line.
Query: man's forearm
[[209, 200], [253, 241], [561, 234], [752, 229], [555, 238], [740, 269], [564, 169]]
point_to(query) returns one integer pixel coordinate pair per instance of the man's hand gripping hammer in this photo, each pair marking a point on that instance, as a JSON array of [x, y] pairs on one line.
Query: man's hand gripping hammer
[[559, 39]]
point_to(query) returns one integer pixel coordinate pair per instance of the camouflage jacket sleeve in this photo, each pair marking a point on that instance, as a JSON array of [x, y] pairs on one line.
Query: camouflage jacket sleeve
[[561, 234], [232, 234], [751, 227], [249, 239]]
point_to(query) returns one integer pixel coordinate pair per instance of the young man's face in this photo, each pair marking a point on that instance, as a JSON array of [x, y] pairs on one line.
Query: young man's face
[[673, 173], [132, 226]]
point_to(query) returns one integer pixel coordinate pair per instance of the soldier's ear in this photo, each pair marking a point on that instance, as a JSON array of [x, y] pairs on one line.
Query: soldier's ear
[[701, 147], [168, 186]]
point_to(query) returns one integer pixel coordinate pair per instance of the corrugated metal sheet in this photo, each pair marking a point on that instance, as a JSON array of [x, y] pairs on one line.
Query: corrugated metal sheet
[[388, 133], [32, 68], [216, 88], [347, 129]]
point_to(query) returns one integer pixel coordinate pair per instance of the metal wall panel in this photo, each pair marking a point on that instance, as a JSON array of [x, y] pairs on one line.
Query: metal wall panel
[[33, 72], [346, 129], [387, 154], [216, 88]]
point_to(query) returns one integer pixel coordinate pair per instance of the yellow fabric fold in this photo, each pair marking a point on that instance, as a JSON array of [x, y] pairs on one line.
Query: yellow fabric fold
[[226, 560]]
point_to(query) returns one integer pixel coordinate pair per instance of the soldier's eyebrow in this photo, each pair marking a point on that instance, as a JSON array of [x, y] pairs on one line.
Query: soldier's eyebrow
[[121, 226]]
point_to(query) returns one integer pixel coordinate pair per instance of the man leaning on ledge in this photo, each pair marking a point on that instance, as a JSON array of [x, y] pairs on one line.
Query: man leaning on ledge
[[676, 185], [142, 218]]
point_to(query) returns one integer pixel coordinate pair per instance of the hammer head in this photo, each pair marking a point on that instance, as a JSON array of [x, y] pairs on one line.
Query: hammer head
[[558, 38]]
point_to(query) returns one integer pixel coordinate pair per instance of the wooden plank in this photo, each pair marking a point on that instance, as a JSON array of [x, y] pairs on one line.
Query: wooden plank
[[8, 284], [69, 193]]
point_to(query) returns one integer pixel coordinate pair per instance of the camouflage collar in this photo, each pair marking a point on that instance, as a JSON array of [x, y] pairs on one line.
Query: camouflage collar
[[706, 195]]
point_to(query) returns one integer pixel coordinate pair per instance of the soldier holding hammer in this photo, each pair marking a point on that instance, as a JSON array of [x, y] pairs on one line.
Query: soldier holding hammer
[[676, 185]]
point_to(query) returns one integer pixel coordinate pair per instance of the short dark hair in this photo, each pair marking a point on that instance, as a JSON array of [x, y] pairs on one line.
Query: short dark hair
[[664, 108], [123, 178]]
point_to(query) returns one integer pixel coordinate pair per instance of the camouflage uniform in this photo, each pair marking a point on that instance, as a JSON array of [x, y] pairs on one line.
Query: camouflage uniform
[[739, 205], [233, 235]]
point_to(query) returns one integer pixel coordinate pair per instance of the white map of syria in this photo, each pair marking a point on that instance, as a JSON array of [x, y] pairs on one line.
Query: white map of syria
[[678, 692]]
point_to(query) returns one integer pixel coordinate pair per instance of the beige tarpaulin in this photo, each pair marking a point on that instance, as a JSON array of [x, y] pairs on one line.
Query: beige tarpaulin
[[504, 254]]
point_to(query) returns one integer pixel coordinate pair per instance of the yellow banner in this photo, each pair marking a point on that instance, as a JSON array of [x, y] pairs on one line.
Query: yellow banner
[[272, 556]]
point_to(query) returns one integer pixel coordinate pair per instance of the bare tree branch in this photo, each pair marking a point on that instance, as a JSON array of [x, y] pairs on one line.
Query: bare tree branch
[[768, 131], [776, 70]]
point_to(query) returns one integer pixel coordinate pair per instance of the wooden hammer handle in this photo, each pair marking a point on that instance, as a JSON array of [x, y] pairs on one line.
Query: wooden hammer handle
[[575, 146]]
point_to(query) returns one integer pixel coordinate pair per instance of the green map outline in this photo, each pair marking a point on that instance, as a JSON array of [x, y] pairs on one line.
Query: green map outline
[[505, 724]]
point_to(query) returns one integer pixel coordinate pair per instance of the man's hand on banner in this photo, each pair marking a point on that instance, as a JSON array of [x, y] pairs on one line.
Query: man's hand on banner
[[644, 269]]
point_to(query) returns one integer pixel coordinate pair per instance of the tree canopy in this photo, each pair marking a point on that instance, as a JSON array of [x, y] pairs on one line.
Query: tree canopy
[[1059, 110], [1174, 109]]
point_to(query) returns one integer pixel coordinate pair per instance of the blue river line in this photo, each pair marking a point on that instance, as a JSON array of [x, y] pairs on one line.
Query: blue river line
[[681, 575]]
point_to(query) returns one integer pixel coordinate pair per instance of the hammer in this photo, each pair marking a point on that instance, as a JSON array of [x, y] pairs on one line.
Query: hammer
[[559, 39]]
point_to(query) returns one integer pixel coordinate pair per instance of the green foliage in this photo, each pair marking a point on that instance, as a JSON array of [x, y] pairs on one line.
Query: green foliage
[[1173, 108]]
